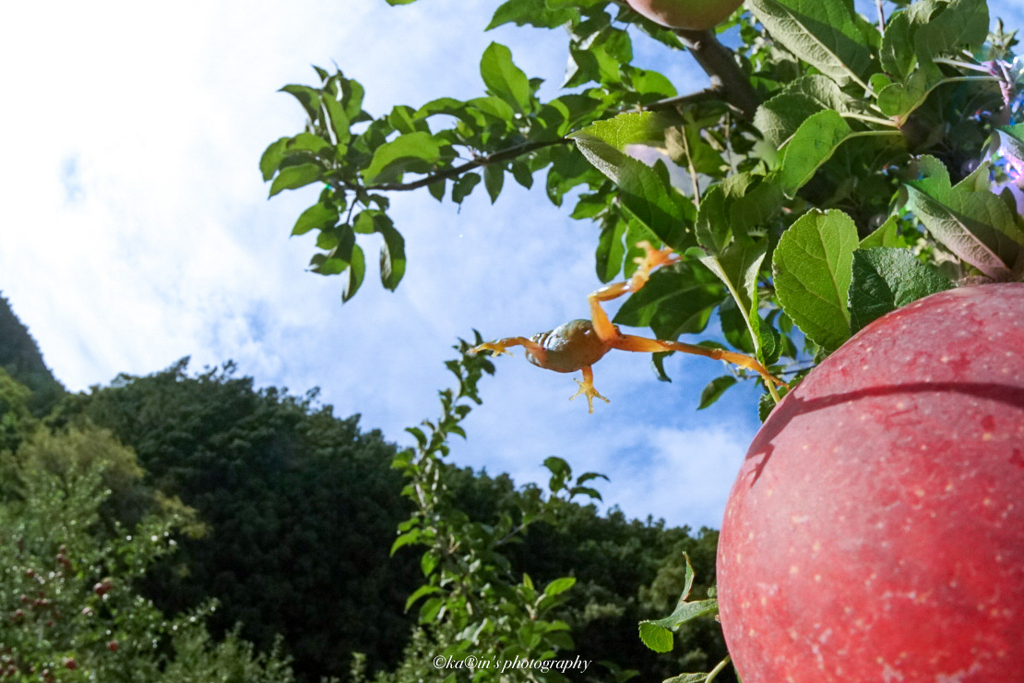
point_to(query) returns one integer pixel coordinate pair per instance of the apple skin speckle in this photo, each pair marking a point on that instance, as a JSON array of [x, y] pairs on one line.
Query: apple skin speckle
[[891, 548]]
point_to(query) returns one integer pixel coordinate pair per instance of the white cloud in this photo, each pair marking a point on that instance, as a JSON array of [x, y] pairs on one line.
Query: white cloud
[[700, 463]]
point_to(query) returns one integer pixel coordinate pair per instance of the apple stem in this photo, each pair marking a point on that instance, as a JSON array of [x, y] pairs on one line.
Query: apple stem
[[717, 670]]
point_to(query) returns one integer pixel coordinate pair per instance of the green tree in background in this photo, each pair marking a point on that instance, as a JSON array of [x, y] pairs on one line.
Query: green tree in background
[[299, 505], [70, 601], [20, 358], [300, 508]]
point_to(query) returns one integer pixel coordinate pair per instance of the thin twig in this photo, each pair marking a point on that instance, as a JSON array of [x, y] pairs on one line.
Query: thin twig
[[717, 670], [709, 94], [431, 178]]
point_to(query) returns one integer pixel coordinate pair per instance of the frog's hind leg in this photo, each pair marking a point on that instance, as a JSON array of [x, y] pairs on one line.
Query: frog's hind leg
[[628, 342], [588, 390], [653, 258]]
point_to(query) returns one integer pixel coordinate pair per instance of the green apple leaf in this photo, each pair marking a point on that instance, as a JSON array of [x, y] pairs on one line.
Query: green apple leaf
[[968, 219], [823, 33], [812, 267], [610, 247], [463, 187], [293, 177], [960, 24], [814, 143], [392, 253], [645, 192], [632, 128], [897, 52], [886, 235], [272, 157], [885, 279], [318, 216], [416, 153], [656, 637], [559, 586], [356, 273], [688, 678], [714, 390], [503, 78], [737, 267], [673, 302], [780, 117], [533, 13], [494, 179]]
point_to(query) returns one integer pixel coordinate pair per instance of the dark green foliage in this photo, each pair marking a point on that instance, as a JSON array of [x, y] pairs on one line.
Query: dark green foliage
[[70, 608], [20, 357], [301, 507], [626, 570]]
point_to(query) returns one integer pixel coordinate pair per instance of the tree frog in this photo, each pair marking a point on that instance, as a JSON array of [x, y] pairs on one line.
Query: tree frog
[[578, 344]]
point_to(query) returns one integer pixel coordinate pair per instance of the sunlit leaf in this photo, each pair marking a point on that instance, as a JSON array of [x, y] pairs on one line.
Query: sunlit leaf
[[415, 152], [821, 32], [503, 78], [655, 637], [293, 177], [316, 217], [814, 142], [644, 192], [973, 223], [813, 268]]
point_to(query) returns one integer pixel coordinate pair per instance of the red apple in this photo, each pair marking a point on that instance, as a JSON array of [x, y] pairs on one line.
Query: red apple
[[876, 529], [695, 15]]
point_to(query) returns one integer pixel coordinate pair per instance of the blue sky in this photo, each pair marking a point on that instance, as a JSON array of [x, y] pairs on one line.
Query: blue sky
[[137, 231]]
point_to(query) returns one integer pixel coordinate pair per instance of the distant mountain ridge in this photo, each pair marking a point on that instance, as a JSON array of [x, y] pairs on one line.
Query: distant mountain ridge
[[21, 359]]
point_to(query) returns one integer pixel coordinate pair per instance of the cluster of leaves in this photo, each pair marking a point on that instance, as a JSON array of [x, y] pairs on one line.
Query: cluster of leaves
[[877, 151], [70, 601], [881, 161], [477, 613], [450, 142]]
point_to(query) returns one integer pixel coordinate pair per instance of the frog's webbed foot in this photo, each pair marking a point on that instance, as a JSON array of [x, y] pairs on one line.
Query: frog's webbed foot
[[588, 390]]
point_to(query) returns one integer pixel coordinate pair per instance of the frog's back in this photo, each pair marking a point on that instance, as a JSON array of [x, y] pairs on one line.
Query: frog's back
[[570, 347]]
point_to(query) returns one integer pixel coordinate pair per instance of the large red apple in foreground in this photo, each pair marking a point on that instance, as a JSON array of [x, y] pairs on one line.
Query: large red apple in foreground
[[876, 529], [687, 14]]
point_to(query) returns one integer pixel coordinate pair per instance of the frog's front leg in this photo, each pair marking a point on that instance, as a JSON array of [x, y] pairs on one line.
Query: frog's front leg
[[501, 346]]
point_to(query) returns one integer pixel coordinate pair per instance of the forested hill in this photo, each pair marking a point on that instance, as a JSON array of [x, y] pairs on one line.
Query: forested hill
[[20, 357], [301, 508]]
